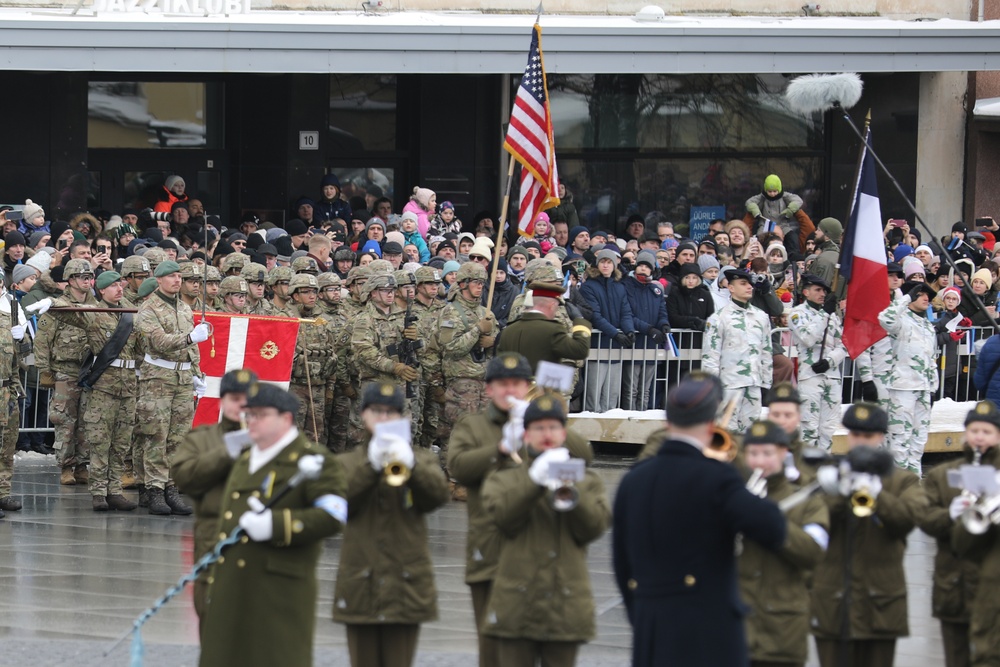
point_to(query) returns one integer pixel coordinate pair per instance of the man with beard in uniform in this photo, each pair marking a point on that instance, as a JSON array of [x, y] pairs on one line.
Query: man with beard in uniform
[[255, 276], [481, 444], [135, 269], [279, 280], [234, 295], [201, 467], [329, 295], [60, 348], [170, 376], [427, 307], [315, 363]]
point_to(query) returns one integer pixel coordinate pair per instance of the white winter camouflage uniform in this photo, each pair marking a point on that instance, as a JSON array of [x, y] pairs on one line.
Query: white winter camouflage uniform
[[913, 377], [821, 393], [874, 364], [737, 348]]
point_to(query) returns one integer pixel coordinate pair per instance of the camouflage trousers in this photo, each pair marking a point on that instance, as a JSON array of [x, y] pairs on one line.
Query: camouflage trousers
[[337, 424], [431, 422], [311, 417], [8, 439], [463, 396], [820, 410], [909, 425], [416, 405], [107, 427], [747, 410], [164, 412], [65, 411]]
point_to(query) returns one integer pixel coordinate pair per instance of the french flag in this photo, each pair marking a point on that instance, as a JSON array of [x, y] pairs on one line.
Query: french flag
[[863, 263]]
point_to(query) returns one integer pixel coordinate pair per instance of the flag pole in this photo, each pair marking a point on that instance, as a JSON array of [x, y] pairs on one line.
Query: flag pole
[[501, 223]]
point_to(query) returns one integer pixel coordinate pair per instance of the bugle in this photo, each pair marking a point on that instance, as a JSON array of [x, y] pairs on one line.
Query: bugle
[[722, 447]]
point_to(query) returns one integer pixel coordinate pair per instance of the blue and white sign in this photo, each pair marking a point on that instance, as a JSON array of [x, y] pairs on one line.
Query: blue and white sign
[[701, 218]]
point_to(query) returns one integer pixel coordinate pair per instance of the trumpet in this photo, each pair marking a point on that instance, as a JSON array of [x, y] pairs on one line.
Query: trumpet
[[862, 503], [985, 512], [757, 484], [722, 447], [564, 496], [396, 473]]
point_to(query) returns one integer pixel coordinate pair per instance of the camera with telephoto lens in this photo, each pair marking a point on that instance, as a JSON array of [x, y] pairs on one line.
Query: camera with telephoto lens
[[757, 278], [148, 217]]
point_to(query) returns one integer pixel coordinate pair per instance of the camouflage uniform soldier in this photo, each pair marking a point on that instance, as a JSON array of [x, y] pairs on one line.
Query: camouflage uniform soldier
[[110, 413], [330, 302], [192, 285], [233, 263], [170, 375], [737, 349], [155, 256], [13, 344], [279, 279], [349, 387], [59, 350], [212, 285], [135, 269], [329, 293], [913, 377], [816, 334], [427, 307], [305, 265], [466, 331], [315, 363], [234, 295], [405, 292], [255, 276]]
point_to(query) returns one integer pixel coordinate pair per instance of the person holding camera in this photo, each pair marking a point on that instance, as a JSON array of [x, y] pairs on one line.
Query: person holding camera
[[859, 590], [738, 350]]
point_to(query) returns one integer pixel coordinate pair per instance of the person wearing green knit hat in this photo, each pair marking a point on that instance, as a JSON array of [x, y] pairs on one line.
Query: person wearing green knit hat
[[773, 209]]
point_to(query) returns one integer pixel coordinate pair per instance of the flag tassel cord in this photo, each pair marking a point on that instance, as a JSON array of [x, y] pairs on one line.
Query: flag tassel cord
[[916, 216]]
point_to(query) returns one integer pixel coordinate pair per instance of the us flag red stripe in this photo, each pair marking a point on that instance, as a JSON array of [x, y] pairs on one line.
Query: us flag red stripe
[[529, 140]]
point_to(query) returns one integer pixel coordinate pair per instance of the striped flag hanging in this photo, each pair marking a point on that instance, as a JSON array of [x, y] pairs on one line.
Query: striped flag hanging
[[529, 140]]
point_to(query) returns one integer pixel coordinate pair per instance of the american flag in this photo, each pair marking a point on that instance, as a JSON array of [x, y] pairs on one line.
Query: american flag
[[529, 140]]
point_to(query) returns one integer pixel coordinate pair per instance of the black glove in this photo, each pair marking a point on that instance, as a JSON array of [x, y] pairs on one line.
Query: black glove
[[623, 340], [762, 287], [657, 336], [821, 366], [869, 391], [573, 311], [631, 338], [699, 324], [666, 329], [917, 290], [830, 304]]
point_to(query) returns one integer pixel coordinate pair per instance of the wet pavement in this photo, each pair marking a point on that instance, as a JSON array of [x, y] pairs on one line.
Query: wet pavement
[[73, 580]]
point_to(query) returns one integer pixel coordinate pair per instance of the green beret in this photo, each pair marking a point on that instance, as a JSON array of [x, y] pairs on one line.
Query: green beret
[[166, 268], [147, 287], [107, 278]]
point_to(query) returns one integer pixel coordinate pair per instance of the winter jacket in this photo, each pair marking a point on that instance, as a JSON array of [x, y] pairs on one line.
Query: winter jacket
[[416, 239], [914, 348], [649, 308], [423, 217], [167, 200], [565, 212], [331, 210], [969, 308], [611, 311], [738, 347], [690, 308], [985, 378], [503, 298]]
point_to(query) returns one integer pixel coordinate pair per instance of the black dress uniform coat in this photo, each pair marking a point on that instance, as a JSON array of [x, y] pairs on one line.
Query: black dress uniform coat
[[675, 521]]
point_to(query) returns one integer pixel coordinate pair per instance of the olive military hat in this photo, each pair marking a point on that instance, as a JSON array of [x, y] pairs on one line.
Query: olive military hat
[[695, 400], [328, 279], [154, 256], [866, 417], [380, 266], [765, 432], [357, 273], [382, 393], [147, 287], [508, 365], [302, 281], [427, 274], [279, 273], [984, 411], [237, 382], [192, 270], [547, 281], [234, 261], [166, 268], [403, 277], [471, 271], [254, 273], [264, 395], [783, 392], [233, 285], [106, 279], [77, 267], [305, 265], [379, 280], [214, 275], [544, 407], [135, 264]]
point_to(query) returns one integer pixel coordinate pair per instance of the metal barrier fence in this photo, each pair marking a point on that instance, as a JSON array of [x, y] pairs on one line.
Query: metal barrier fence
[[638, 378]]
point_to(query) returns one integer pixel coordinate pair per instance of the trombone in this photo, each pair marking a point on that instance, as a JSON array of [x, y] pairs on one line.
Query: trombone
[[722, 446]]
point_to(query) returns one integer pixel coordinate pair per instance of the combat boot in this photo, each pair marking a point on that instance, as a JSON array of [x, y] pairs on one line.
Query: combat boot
[[157, 505], [81, 474], [67, 478], [117, 501], [10, 504], [129, 481], [143, 496], [100, 504], [177, 506]]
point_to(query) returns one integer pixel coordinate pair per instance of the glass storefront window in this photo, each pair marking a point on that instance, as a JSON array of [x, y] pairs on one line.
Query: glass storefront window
[[369, 182], [362, 113], [689, 113], [142, 189], [149, 114]]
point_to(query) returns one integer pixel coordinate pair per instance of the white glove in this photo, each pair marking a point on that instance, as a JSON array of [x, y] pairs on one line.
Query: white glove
[[258, 522], [829, 479], [200, 333], [959, 504], [513, 436], [200, 386], [401, 451], [376, 453], [517, 408], [17, 331], [539, 470], [866, 482], [40, 307]]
